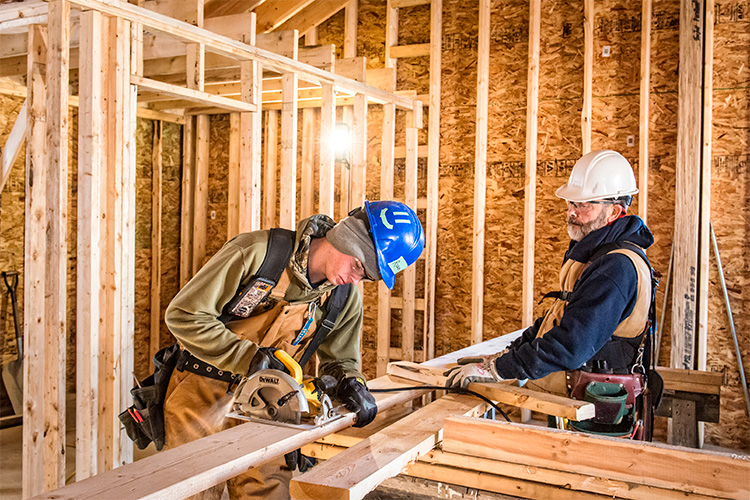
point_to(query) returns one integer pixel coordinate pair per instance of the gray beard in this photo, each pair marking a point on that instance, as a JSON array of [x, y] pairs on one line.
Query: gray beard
[[578, 231]]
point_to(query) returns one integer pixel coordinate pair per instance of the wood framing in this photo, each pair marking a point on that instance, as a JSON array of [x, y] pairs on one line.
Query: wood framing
[[480, 174], [33, 454], [588, 74], [233, 176], [643, 113], [200, 200], [355, 472], [327, 155], [156, 230], [251, 76], [88, 282], [288, 172], [650, 464], [187, 199], [307, 184], [532, 124], [270, 148], [685, 293]]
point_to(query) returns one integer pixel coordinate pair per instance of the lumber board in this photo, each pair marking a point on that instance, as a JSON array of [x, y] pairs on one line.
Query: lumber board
[[200, 193], [409, 286], [578, 483], [326, 187], [490, 346], [312, 15], [156, 230], [56, 289], [351, 20], [504, 393], [270, 164], [588, 74], [413, 50], [691, 380], [13, 144], [433, 173], [355, 472], [251, 127], [643, 111], [391, 33], [651, 464], [233, 176], [191, 95], [307, 169], [480, 174], [187, 210], [532, 129], [288, 171], [195, 466], [685, 293], [91, 155], [32, 456], [271, 15]]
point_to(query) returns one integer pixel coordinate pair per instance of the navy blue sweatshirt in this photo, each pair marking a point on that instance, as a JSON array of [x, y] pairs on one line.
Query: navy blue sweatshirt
[[604, 296]]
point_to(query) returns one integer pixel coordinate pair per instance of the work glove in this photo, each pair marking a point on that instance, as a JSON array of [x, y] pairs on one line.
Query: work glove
[[356, 398], [264, 359], [473, 369]]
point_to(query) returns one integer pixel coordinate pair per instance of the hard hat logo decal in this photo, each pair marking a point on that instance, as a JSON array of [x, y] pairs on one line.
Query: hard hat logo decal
[[398, 265], [384, 219]]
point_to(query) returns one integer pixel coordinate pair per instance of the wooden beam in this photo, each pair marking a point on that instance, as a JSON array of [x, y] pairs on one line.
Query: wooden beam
[[643, 115], [200, 203], [271, 15], [391, 33], [215, 8], [532, 126], [156, 230], [685, 291], [270, 148], [702, 382], [198, 97], [433, 174], [251, 75], [480, 174], [13, 144], [312, 15], [307, 166], [549, 404], [91, 155], [351, 21], [411, 167], [326, 189], [651, 464], [588, 74], [414, 50], [196, 466], [288, 174], [355, 472], [56, 290], [387, 157], [33, 454], [359, 152], [233, 176], [187, 211]]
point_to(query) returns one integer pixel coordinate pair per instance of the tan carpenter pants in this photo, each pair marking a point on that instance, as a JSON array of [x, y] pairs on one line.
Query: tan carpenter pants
[[196, 407]]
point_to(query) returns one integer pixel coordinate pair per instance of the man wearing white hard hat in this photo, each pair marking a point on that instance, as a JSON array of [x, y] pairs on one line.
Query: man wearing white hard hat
[[594, 342]]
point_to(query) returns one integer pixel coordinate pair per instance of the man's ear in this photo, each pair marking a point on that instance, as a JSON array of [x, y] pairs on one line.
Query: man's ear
[[615, 213]]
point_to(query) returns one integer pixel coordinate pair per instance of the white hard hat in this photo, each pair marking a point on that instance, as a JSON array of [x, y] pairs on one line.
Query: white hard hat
[[599, 174]]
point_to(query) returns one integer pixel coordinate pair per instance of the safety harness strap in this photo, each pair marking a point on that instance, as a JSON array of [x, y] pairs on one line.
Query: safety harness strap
[[335, 304]]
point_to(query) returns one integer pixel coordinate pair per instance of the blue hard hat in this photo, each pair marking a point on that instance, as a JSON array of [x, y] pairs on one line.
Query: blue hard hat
[[398, 237]]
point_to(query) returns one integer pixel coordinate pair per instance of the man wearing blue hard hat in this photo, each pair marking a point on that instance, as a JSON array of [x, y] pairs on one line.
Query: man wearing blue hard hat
[[284, 290]]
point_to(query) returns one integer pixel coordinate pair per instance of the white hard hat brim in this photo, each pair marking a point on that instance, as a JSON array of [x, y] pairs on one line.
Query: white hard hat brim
[[574, 194]]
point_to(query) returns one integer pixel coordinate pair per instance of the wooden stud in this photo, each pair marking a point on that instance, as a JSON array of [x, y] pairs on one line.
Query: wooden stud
[[307, 167], [327, 154], [433, 174], [88, 282], [250, 157], [643, 116], [359, 152], [156, 230], [271, 15], [56, 291], [410, 273], [187, 192], [388, 141], [270, 147], [203, 98], [233, 176], [288, 174], [200, 204], [532, 125], [480, 174], [33, 456], [391, 33], [404, 51], [588, 72], [685, 298], [351, 17], [311, 16]]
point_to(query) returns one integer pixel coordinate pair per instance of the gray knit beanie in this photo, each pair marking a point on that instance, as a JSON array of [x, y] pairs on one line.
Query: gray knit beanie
[[352, 237]]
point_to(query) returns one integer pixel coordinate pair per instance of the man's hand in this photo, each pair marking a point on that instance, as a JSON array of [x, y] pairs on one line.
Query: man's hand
[[265, 359], [356, 398], [473, 369]]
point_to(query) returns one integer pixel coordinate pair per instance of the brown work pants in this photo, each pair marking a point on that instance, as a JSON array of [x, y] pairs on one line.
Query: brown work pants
[[196, 407]]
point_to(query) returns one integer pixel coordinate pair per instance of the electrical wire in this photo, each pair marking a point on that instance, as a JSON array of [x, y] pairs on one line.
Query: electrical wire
[[457, 390]]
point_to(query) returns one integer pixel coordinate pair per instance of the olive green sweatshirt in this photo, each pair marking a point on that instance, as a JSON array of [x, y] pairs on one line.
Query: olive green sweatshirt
[[193, 315]]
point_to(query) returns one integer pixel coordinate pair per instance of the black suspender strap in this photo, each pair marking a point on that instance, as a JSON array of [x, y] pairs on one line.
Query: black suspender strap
[[278, 253], [335, 304]]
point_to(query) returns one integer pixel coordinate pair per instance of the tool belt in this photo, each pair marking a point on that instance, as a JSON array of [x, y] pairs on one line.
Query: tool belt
[[188, 362], [613, 395], [144, 420]]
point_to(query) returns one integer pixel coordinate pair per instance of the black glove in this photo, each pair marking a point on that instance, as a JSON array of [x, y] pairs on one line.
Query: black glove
[[296, 460], [264, 359], [356, 398]]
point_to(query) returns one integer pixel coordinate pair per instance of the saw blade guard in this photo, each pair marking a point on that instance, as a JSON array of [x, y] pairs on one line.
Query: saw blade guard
[[271, 395]]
